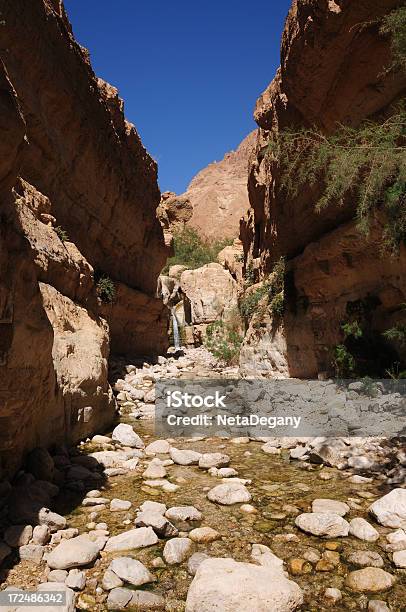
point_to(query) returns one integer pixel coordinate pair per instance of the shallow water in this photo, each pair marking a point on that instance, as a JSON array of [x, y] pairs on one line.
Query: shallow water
[[276, 482]]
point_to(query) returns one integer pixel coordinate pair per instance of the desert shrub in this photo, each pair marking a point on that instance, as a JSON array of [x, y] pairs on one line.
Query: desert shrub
[[62, 233], [224, 341], [277, 277], [352, 329], [396, 334], [368, 162], [272, 288], [106, 289], [193, 251], [365, 351], [277, 305], [344, 361], [249, 303], [249, 275], [369, 387], [394, 24]]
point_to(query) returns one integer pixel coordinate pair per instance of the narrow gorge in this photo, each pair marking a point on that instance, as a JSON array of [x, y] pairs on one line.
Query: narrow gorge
[[277, 278]]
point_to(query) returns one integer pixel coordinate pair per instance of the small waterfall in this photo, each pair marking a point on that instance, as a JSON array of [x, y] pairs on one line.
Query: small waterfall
[[175, 327]]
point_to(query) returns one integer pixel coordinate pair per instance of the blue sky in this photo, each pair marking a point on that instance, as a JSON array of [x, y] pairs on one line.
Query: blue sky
[[189, 72]]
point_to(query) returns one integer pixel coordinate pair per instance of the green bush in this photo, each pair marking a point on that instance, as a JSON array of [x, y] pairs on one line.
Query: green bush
[[394, 24], [352, 329], [344, 362], [62, 233], [250, 301], [368, 163], [277, 277], [193, 251], [249, 276], [369, 387], [224, 341], [272, 288], [397, 334], [277, 304], [106, 289]]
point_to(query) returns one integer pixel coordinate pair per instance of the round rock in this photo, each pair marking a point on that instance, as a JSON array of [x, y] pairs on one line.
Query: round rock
[[370, 579], [76, 552], [119, 505], [184, 457], [155, 470], [131, 571], [183, 517], [320, 524], [330, 506], [204, 535], [229, 493], [159, 447], [210, 460], [361, 529]]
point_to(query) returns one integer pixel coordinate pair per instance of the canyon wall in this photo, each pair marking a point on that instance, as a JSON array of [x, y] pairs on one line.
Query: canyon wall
[[219, 195], [78, 198], [216, 198], [334, 70]]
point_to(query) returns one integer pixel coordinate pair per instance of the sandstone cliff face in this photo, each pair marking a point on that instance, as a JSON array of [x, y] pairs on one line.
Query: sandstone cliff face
[[209, 294], [218, 194], [69, 160], [173, 212], [333, 70]]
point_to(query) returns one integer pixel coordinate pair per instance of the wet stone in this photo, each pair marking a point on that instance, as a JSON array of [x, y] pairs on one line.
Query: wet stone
[[365, 558], [323, 524], [370, 579], [298, 567], [330, 506]]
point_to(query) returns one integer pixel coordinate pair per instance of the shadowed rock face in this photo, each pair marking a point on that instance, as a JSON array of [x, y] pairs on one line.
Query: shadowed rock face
[[68, 159], [333, 70]]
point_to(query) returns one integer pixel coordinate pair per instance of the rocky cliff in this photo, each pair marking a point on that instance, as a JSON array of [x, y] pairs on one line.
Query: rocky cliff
[[217, 197], [78, 194], [336, 68]]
